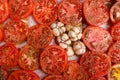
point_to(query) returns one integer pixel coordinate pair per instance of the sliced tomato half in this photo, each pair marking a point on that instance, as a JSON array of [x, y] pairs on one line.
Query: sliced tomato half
[[8, 56], [15, 32], [45, 11], [53, 60], [74, 71], [95, 12], [39, 36], [95, 64], [97, 39], [20, 9], [70, 12], [29, 58]]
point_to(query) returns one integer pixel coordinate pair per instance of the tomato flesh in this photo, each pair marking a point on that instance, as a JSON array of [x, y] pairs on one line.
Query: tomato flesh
[[115, 31], [97, 39], [95, 12], [53, 60], [15, 32], [74, 71], [45, 11], [95, 64], [20, 8], [114, 52], [29, 57], [39, 36], [70, 12], [8, 56]]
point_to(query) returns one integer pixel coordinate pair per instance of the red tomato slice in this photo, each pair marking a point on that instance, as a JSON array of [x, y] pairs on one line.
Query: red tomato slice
[[3, 74], [115, 12], [23, 75], [45, 11], [54, 77], [115, 31], [20, 8], [95, 12], [70, 12], [15, 32], [8, 56], [114, 72], [4, 10], [114, 52], [29, 58], [1, 34], [97, 39], [74, 71], [96, 64], [53, 60], [39, 36]]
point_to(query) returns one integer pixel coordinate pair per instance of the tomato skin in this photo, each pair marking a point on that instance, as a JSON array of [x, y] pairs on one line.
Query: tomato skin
[[1, 34], [115, 31], [4, 13], [45, 11], [23, 75], [53, 60], [15, 32], [70, 12], [96, 64], [74, 71], [114, 52], [96, 38], [28, 58], [3, 74], [39, 36], [95, 12], [54, 77], [8, 56], [20, 9]]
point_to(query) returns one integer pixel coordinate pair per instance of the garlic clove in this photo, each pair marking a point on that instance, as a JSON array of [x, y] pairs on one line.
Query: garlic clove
[[70, 51], [64, 37], [68, 42], [79, 36], [53, 25], [76, 30], [60, 24], [63, 45], [56, 32], [71, 34]]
